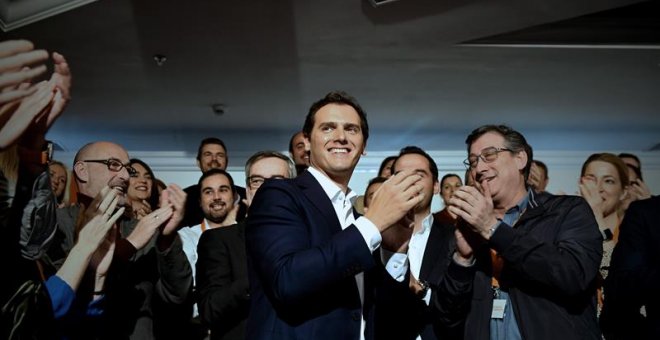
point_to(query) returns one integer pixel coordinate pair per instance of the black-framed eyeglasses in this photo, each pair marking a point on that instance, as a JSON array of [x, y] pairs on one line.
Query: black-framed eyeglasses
[[487, 155], [114, 164], [256, 181]]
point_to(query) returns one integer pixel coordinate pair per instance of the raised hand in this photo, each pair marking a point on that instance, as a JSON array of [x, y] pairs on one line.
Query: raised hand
[[394, 199], [475, 207], [15, 57], [175, 197], [147, 227]]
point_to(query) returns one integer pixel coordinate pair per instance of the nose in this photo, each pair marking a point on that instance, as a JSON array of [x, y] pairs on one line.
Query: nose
[[340, 134]]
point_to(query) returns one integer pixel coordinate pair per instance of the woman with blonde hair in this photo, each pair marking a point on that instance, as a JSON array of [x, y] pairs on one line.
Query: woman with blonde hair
[[604, 184]]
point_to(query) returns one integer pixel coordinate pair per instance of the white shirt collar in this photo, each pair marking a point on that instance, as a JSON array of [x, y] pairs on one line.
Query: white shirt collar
[[331, 188]]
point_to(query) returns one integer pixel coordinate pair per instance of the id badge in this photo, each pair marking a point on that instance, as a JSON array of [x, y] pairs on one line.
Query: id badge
[[498, 309]]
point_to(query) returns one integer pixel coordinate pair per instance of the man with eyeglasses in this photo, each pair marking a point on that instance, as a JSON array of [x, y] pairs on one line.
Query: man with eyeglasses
[[525, 263], [222, 279], [148, 267]]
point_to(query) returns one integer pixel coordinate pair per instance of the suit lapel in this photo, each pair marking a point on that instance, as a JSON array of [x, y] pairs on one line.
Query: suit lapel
[[313, 191], [433, 251]]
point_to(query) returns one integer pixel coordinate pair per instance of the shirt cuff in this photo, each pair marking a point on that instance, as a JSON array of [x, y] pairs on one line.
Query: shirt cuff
[[396, 264], [61, 296], [369, 232]]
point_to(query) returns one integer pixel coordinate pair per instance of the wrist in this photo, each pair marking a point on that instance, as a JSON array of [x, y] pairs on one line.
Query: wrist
[[488, 233], [463, 261]]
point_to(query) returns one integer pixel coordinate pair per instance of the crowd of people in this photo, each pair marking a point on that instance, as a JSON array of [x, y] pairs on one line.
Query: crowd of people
[[288, 256]]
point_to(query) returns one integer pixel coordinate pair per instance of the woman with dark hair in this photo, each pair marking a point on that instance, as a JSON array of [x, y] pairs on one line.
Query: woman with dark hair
[[603, 183], [448, 184], [385, 169], [141, 195]]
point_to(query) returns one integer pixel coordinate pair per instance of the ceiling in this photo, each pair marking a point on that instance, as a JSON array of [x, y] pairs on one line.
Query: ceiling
[[426, 71]]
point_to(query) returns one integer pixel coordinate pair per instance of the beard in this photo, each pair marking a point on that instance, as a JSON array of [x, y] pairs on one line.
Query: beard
[[217, 217]]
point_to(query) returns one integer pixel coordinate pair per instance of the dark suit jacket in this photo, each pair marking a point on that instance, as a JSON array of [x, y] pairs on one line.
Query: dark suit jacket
[[634, 276], [303, 265], [399, 313], [222, 281]]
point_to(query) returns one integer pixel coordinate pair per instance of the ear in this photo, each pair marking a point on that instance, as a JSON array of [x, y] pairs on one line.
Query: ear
[[364, 149], [436, 187], [81, 172], [625, 193], [199, 165], [521, 160]]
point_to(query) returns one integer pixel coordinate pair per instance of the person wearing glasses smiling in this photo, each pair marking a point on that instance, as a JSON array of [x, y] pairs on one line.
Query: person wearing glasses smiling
[[525, 264], [222, 278], [149, 267]]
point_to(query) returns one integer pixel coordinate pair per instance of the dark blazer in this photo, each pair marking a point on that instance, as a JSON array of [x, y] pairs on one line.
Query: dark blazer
[[222, 281], [400, 314], [303, 265], [634, 276]]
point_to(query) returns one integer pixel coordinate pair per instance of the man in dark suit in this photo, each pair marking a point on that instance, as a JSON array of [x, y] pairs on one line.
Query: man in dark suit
[[310, 258], [402, 301], [634, 276], [211, 154], [222, 278]]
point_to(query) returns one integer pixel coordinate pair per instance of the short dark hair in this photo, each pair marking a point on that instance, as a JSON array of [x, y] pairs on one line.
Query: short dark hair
[[291, 141], [384, 163], [414, 150], [513, 140], [216, 171], [372, 181], [542, 166], [211, 140], [291, 168], [637, 170], [336, 97], [154, 198], [448, 176]]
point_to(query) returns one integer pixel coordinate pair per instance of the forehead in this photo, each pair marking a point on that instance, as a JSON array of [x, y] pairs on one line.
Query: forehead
[[451, 180], [56, 167], [299, 138], [487, 140], [214, 181], [336, 113], [214, 148], [601, 168], [108, 150], [412, 161], [269, 166], [139, 167]]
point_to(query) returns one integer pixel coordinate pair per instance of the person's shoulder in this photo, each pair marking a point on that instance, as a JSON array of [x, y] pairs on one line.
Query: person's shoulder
[[651, 204]]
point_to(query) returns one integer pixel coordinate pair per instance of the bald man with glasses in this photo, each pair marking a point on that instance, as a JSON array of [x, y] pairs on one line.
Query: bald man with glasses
[[149, 266]]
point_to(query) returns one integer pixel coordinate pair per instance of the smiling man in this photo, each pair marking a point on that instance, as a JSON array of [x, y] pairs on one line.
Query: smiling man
[[535, 276], [310, 257], [148, 265]]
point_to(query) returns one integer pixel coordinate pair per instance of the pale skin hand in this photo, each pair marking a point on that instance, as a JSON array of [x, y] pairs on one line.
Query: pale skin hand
[[589, 191], [475, 208], [534, 179], [98, 206], [639, 190], [175, 197], [15, 57], [392, 201], [147, 227], [89, 239], [464, 253], [36, 113]]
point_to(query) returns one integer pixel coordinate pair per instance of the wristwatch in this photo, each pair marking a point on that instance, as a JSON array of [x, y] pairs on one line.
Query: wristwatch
[[425, 288]]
